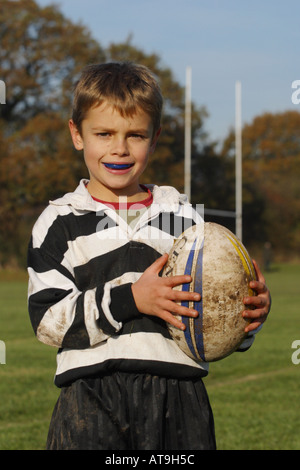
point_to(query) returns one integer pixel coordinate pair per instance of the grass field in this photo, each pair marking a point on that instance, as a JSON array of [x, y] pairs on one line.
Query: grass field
[[254, 394]]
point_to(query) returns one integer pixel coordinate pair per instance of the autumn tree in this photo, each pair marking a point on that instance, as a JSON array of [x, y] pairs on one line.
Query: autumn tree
[[41, 52], [41, 55], [271, 174]]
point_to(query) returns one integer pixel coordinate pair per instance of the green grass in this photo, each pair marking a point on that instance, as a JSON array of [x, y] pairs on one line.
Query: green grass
[[254, 395], [26, 380]]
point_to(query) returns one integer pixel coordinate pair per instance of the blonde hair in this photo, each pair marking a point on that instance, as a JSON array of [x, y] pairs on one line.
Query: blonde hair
[[126, 86]]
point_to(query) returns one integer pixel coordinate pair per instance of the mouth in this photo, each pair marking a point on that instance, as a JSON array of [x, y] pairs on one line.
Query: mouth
[[118, 166]]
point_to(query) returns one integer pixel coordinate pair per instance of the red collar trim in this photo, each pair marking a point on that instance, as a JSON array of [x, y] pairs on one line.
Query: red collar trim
[[121, 205]]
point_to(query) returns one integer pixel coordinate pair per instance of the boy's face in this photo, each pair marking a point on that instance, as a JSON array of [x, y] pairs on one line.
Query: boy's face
[[116, 151]]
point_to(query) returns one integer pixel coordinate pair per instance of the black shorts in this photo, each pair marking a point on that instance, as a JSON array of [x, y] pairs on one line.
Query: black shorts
[[127, 411]]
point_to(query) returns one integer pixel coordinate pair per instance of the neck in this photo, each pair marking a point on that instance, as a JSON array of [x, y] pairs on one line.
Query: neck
[[143, 196]]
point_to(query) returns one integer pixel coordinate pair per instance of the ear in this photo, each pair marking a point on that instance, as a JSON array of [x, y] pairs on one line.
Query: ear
[[154, 140], [76, 136]]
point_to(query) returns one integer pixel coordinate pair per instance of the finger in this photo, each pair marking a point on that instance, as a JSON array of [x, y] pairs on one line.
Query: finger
[[179, 312], [158, 264], [259, 274], [257, 301], [175, 308], [169, 318], [255, 314], [258, 287], [174, 281], [252, 326], [185, 296], [256, 319]]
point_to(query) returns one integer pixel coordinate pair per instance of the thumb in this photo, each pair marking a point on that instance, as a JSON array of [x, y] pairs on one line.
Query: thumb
[[158, 264], [258, 272]]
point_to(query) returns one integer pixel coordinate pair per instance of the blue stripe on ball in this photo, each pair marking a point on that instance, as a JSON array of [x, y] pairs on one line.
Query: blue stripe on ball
[[197, 340]]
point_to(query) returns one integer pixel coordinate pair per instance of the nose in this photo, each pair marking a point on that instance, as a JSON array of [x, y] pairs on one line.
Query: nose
[[119, 146]]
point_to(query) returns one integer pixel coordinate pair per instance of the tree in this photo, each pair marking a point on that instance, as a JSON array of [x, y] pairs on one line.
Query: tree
[[271, 172], [41, 55]]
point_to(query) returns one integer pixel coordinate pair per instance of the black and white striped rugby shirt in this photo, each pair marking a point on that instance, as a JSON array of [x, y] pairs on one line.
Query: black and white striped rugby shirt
[[82, 259]]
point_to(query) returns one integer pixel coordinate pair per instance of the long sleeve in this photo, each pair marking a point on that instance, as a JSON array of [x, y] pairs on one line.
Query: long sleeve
[[82, 260], [64, 312], [248, 341]]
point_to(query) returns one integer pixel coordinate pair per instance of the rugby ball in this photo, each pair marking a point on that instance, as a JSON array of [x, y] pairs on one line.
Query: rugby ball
[[221, 270]]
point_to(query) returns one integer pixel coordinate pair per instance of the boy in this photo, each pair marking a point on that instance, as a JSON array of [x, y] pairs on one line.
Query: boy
[[94, 286]]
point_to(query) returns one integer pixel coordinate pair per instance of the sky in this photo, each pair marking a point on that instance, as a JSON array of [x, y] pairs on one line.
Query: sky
[[256, 42]]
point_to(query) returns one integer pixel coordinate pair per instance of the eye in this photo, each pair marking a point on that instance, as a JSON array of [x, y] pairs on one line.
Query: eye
[[103, 134], [138, 136]]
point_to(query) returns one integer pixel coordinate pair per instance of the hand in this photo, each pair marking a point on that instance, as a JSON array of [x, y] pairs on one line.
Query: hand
[[154, 295], [261, 302]]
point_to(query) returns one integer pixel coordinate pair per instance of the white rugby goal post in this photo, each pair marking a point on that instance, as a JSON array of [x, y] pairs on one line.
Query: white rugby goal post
[[237, 214]]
